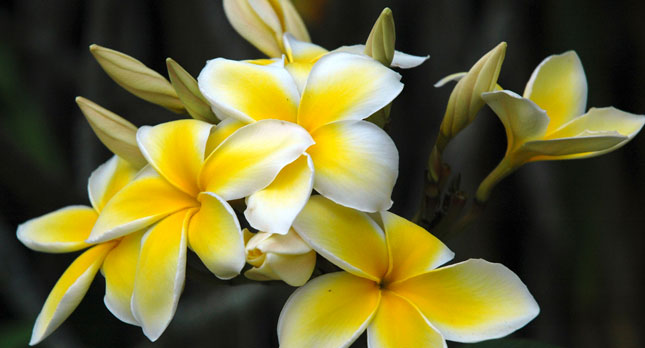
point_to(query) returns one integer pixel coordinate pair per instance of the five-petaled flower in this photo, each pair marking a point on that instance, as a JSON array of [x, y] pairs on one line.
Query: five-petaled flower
[[182, 199], [548, 122], [353, 162], [392, 287]]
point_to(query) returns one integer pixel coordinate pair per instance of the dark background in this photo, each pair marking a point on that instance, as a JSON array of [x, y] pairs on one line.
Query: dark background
[[572, 230]]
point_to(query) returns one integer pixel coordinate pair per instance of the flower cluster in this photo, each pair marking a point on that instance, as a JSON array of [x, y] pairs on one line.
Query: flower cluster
[[295, 144]]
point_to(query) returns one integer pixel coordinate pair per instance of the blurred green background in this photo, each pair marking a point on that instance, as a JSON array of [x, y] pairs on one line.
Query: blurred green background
[[573, 231]]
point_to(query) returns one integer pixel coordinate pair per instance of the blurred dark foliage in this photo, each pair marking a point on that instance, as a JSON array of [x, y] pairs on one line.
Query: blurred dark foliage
[[573, 230]]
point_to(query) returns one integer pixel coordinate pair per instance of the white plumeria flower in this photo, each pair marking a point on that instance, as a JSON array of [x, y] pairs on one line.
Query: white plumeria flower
[[181, 199], [65, 230], [355, 162]]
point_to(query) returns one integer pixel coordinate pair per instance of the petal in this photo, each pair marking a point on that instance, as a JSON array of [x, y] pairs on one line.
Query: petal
[[521, 117], [274, 208], [252, 157], [146, 200], [367, 183], [578, 147], [289, 244], [346, 237], [599, 121], [294, 270], [471, 301], [160, 274], [176, 150], [559, 86], [250, 26], [69, 291], [214, 234], [345, 86], [220, 132], [412, 250], [401, 60], [249, 92], [108, 179], [450, 78], [119, 269], [330, 311], [60, 231], [301, 51], [397, 323]]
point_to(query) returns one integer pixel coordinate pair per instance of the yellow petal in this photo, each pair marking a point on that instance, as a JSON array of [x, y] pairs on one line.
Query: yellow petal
[[399, 324], [249, 92], [252, 157], [559, 86], [344, 236], [60, 231], [188, 92], [160, 274], [214, 234], [108, 179], [176, 150], [137, 78], [288, 244], [601, 121], [330, 311], [248, 24], [412, 250], [146, 200], [220, 132], [274, 208], [523, 120], [344, 86], [68, 291], [294, 270], [367, 183], [115, 132], [578, 147], [471, 301], [301, 51], [119, 269]]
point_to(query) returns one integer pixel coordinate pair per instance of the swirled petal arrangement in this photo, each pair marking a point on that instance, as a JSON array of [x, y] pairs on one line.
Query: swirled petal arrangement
[[283, 171]]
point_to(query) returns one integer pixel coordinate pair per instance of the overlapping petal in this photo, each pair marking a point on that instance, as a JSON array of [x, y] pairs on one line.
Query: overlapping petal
[[559, 86], [69, 291], [331, 311], [356, 164], [141, 203], [581, 145], [222, 131], [344, 86], [274, 208], [252, 157], [470, 301], [176, 150], [346, 237], [400, 60], [398, 323], [106, 180], [60, 231], [294, 270], [160, 274], [119, 269], [214, 234], [249, 92], [412, 250]]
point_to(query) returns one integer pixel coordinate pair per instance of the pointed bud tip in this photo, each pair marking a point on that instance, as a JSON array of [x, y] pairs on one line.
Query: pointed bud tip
[[386, 12]]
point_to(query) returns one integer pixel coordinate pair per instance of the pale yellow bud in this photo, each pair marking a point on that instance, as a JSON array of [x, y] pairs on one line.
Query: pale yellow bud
[[115, 132], [137, 78], [380, 43], [188, 92]]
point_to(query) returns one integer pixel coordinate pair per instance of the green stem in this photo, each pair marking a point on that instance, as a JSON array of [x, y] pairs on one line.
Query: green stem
[[503, 169]]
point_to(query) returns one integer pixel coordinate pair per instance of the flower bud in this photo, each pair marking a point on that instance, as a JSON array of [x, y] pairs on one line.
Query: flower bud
[[380, 43], [189, 94]]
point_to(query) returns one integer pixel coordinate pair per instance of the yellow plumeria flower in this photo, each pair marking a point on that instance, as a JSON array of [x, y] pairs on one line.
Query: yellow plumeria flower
[[182, 197], [548, 122], [355, 162], [65, 230], [391, 286], [279, 257]]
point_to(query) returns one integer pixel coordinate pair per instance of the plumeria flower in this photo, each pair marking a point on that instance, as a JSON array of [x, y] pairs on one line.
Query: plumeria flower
[[65, 230], [181, 198], [279, 257], [392, 287], [355, 162], [548, 122]]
